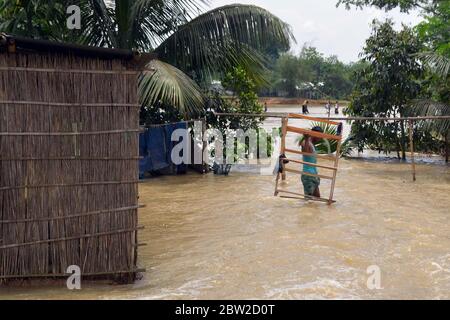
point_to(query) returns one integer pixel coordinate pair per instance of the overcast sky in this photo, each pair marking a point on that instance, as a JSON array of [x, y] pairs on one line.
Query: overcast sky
[[319, 23]]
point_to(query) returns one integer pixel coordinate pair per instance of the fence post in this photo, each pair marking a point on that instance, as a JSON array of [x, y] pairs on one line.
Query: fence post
[[411, 145], [204, 145], [284, 123]]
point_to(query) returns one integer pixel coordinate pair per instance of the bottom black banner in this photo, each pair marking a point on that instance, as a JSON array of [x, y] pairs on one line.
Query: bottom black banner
[[180, 310]]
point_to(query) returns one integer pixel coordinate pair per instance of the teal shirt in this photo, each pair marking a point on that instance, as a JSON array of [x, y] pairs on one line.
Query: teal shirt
[[310, 159]]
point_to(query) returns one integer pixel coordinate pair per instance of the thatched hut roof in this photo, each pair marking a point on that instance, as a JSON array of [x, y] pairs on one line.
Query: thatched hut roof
[[14, 43]]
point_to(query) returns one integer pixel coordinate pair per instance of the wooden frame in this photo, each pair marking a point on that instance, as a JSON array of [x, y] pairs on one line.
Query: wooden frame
[[300, 116], [318, 156], [313, 133], [335, 158], [302, 196]]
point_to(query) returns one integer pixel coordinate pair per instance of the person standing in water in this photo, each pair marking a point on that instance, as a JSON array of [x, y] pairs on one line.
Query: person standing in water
[[305, 107], [328, 107], [265, 107], [310, 183], [336, 108]]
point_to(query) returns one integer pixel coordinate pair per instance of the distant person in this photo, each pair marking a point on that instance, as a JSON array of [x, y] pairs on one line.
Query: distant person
[[310, 183], [305, 107], [336, 108], [328, 107], [265, 107]]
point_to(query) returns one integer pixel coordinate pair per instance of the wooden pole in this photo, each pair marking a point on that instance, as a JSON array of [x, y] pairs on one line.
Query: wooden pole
[[284, 123], [333, 182], [313, 133], [411, 144], [329, 157], [204, 145], [276, 184], [303, 197]]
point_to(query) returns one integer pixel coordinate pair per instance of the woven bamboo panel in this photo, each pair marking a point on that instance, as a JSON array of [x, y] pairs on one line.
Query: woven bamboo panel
[[44, 177]]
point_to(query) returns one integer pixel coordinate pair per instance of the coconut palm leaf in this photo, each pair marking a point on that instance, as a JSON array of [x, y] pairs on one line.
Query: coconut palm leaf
[[211, 42], [143, 24], [324, 146], [432, 108], [167, 84], [439, 64], [204, 43], [98, 24], [231, 56]]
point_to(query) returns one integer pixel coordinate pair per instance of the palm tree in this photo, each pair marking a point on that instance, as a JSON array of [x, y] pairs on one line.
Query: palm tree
[[440, 66], [190, 43]]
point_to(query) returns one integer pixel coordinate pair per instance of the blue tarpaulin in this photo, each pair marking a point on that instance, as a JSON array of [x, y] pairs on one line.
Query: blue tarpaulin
[[169, 130], [155, 146]]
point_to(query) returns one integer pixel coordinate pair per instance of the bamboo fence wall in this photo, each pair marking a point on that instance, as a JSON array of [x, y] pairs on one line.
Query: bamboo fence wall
[[69, 151]]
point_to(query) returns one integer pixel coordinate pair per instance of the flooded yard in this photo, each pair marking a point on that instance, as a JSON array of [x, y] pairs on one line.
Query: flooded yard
[[216, 237]]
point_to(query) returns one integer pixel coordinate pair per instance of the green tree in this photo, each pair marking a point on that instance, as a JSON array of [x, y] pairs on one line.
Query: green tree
[[327, 73], [287, 74], [437, 97], [313, 62], [292, 75], [336, 78], [37, 19], [385, 87], [403, 5], [189, 46], [435, 30], [245, 99]]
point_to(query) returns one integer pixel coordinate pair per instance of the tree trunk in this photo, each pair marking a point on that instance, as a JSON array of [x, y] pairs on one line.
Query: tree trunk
[[403, 140]]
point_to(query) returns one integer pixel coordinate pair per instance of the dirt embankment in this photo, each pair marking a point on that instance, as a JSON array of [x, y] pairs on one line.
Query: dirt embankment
[[273, 101]]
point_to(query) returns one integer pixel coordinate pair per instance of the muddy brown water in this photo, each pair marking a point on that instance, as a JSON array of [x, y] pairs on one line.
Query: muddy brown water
[[215, 237]]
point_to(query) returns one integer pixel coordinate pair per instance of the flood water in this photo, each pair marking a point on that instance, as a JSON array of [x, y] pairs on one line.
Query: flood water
[[216, 237]]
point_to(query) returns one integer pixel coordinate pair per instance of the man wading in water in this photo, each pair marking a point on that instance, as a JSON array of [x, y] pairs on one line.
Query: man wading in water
[[310, 184]]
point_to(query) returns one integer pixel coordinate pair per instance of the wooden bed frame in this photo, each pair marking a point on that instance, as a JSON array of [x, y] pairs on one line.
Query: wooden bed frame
[[330, 157]]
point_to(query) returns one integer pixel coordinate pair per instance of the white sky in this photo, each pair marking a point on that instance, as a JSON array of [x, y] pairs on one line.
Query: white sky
[[319, 23]]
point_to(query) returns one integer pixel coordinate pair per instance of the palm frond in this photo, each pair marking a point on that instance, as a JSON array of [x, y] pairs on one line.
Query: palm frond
[[432, 108], [154, 21], [439, 64], [98, 24], [204, 43], [232, 55], [170, 86], [324, 146]]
